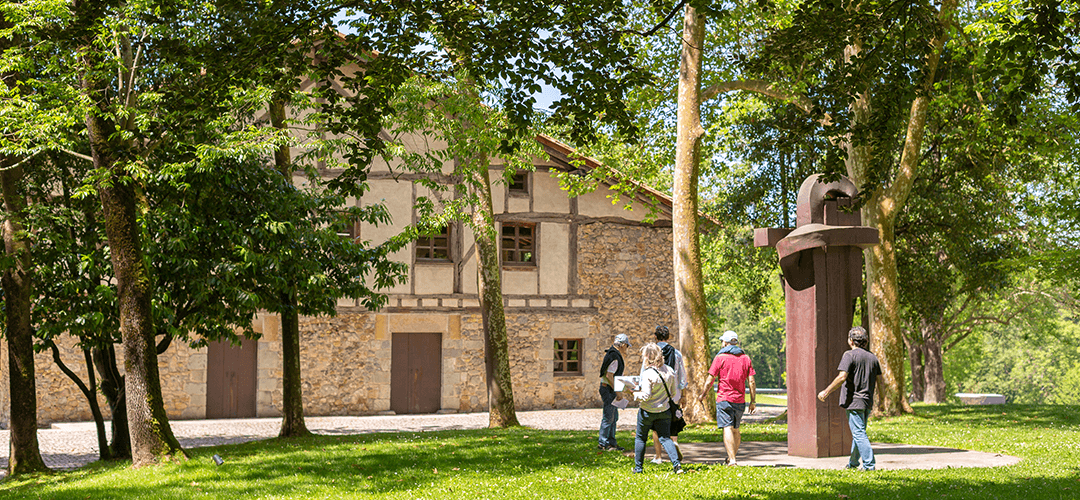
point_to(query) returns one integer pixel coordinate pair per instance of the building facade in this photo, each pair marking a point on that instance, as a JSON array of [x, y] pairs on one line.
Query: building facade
[[576, 271]]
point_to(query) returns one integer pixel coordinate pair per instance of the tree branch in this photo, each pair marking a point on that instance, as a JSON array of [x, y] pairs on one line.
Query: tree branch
[[900, 188], [766, 89], [651, 32], [77, 155], [67, 371]]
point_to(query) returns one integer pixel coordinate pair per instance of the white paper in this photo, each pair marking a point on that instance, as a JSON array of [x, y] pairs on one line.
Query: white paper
[[620, 403], [622, 382]]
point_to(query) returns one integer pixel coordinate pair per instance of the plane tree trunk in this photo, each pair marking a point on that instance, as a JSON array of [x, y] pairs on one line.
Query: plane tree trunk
[[501, 411], [689, 286]]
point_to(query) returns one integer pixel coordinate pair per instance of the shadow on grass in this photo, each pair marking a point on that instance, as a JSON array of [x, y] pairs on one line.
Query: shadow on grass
[[328, 466], [520, 462]]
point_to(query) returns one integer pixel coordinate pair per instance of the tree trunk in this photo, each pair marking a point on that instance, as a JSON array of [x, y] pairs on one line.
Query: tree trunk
[[935, 369], [881, 211], [885, 332], [152, 439], [501, 410], [112, 387], [89, 392], [292, 398], [104, 451], [689, 286], [915, 359], [25, 455]]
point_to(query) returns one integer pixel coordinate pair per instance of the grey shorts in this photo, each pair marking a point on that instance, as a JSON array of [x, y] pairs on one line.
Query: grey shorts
[[729, 414]]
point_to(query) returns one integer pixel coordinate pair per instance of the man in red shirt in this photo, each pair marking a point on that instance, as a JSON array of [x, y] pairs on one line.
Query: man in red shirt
[[732, 370]]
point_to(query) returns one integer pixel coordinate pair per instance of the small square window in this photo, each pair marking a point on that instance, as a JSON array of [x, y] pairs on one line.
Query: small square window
[[568, 356], [347, 227], [518, 243], [434, 246], [519, 183]]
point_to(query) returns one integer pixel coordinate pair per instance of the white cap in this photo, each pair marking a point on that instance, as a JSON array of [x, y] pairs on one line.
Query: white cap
[[730, 337]]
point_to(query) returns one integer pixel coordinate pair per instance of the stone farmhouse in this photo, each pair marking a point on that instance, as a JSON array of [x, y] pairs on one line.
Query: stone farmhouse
[[576, 272]]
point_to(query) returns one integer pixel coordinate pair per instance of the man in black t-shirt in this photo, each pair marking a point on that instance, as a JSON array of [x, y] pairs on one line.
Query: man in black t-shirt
[[859, 369]]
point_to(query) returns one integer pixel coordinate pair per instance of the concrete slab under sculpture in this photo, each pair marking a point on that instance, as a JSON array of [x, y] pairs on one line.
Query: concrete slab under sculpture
[[821, 260]]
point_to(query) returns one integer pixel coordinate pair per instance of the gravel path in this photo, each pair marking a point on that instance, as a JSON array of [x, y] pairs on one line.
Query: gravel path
[[73, 445]]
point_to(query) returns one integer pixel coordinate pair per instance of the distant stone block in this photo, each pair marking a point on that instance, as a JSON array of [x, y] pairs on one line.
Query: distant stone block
[[980, 399]]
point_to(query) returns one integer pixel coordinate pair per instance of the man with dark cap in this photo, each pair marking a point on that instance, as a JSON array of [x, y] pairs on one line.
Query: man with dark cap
[[611, 367], [859, 370]]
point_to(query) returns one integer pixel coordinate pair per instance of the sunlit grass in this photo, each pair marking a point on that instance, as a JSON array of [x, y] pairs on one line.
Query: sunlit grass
[[527, 463], [765, 399]]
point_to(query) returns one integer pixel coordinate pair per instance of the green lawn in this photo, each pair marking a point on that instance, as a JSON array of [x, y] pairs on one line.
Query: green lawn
[[770, 400], [527, 463]]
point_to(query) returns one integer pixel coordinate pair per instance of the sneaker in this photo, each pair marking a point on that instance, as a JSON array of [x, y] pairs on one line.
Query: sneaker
[[636, 471], [616, 448], [657, 460], [678, 470]]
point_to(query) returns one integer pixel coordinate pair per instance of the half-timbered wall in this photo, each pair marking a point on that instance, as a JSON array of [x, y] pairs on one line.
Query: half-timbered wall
[[599, 270]]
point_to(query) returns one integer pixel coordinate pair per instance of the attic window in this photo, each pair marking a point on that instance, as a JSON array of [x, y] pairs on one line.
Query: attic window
[[519, 184]]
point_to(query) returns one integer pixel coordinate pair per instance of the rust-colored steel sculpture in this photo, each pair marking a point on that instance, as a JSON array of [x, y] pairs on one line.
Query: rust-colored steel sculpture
[[821, 260]]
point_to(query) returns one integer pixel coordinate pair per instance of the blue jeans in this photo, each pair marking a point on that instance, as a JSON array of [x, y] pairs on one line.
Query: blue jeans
[[860, 444], [611, 417], [661, 423]]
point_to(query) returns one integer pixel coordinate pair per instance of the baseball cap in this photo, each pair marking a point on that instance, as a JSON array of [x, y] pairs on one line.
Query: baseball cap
[[623, 339], [730, 337]]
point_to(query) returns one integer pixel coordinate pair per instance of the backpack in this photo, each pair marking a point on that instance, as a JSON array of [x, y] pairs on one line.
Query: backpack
[[669, 356]]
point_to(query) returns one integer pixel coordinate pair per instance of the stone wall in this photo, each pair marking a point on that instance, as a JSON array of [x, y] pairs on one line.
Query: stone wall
[[346, 361], [183, 383], [532, 335], [624, 285], [464, 374], [59, 399], [629, 270], [345, 365]]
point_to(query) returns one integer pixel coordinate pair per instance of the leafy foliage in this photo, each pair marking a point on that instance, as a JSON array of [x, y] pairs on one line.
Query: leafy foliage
[[1030, 361], [574, 47]]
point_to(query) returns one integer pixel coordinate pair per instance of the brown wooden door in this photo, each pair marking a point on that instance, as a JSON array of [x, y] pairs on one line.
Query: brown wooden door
[[416, 373], [231, 377]]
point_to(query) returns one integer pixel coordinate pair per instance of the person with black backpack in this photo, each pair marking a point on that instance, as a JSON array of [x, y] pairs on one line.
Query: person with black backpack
[[674, 359]]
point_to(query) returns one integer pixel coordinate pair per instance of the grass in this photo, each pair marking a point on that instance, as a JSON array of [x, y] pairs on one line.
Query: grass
[[769, 400], [528, 463]]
